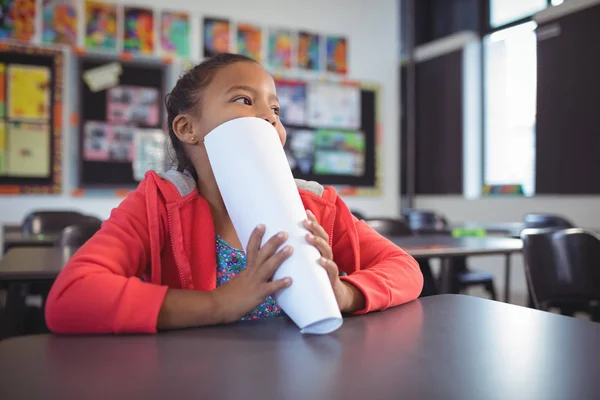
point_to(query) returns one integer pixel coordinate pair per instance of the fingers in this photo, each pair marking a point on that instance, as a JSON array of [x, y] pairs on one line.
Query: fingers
[[313, 226], [269, 248], [330, 267], [269, 267], [254, 243], [321, 244], [276, 286]]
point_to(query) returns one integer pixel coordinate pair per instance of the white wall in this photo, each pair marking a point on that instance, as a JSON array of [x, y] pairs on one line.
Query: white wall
[[373, 47]]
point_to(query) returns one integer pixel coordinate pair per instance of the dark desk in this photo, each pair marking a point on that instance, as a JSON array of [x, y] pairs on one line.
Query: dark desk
[[13, 238], [441, 347], [445, 247], [34, 263]]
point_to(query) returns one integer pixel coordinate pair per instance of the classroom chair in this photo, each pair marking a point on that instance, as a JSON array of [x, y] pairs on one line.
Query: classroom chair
[[77, 234], [462, 277], [562, 268], [541, 220], [47, 222], [398, 227], [358, 214]]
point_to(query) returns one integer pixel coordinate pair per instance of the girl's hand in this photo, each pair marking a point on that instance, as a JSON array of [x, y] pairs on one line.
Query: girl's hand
[[249, 288], [349, 298]]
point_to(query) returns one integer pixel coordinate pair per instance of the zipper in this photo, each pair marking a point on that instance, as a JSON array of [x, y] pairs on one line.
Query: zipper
[[183, 279]]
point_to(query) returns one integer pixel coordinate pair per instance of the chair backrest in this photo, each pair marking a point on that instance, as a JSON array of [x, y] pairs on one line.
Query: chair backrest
[[425, 220], [49, 222], [76, 235], [561, 266], [389, 226], [540, 220], [358, 214]]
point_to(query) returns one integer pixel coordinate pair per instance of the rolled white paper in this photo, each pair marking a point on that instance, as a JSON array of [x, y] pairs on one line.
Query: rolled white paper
[[257, 186]]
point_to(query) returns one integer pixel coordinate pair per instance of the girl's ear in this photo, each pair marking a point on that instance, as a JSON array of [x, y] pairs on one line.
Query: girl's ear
[[183, 129]]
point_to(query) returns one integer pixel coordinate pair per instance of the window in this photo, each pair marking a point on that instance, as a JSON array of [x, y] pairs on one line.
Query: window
[[510, 104], [506, 11]]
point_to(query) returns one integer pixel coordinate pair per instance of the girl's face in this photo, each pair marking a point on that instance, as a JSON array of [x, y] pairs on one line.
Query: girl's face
[[243, 89]]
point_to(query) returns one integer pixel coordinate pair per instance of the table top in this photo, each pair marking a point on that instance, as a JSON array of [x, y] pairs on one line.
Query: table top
[[440, 347], [34, 263], [13, 239], [448, 246]]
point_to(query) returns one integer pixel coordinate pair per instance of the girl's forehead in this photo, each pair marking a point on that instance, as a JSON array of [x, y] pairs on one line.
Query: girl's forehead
[[244, 74]]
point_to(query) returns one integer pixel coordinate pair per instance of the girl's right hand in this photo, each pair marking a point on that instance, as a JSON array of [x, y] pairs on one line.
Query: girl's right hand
[[249, 288]]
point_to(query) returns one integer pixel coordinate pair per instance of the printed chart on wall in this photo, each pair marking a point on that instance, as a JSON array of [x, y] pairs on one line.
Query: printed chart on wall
[[112, 115], [334, 105], [100, 26], [249, 41], [17, 19], [30, 137], [59, 20], [138, 30], [309, 51], [337, 54], [217, 36], [175, 34]]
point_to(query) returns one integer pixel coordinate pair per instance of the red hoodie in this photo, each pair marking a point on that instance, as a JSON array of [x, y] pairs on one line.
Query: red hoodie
[[162, 236]]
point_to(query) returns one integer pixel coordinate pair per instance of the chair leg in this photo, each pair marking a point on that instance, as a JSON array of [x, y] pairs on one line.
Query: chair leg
[[491, 290]]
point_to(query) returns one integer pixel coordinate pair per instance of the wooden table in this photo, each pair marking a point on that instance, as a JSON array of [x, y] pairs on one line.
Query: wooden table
[[441, 347], [446, 247]]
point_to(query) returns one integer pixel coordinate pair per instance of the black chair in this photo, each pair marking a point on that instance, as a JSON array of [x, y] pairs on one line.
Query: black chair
[[398, 227], [562, 268], [461, 277], [49, 222], [76, 235], [542, 221], [358, 214]]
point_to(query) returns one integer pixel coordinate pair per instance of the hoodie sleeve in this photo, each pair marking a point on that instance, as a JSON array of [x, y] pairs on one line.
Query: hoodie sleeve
[[387, 275], [99, 290]]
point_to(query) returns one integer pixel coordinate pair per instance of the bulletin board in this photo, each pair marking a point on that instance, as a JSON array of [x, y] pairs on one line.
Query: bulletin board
[[110, 117], [333, 133], [31, 95]]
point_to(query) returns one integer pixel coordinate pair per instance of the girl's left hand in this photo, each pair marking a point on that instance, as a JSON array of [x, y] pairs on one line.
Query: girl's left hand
[[349, 298]]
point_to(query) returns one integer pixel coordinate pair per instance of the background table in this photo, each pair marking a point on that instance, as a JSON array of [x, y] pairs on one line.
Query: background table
[[445, 247], [440, 347]]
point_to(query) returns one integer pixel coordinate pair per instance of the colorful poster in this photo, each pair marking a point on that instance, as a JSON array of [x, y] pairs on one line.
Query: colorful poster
[[100, 25], [28, 92], [333, 106], [59, 21], [300, 150], [28, 150], [175, 34], [280, 49], [309, 51], [249, 41], [292, 102], [337, 54], [133, 105], [217, 36], [339, 153], [103, 142], [2, 90], [138, 30], [2, 148], [17, 19]]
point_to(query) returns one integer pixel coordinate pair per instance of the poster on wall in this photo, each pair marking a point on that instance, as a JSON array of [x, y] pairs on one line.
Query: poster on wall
[[217, 36], [309, 54], [2, 90], [300, 150], [2, 148], [100, 26], [17, 19], [59, 21], [133, 105], [336, 54], [28, 150], [107, 143], [249, 41], [333, 105], [280, 47], [175, 34], [138, 30], [28, 92], [292, 102], [149, 152], [339, 153]]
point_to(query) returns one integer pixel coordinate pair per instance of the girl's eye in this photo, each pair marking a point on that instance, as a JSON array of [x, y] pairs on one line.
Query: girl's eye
[[244, 100], [276, 110]]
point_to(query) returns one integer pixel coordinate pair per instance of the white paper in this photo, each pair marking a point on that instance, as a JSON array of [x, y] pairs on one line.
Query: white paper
[[257, 186], [149, 152], [103, 77], [333, 106]]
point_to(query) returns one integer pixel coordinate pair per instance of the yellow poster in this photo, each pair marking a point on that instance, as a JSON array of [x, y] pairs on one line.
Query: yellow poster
[[2, 90], [2, 148], [28, 92], [28, 150]]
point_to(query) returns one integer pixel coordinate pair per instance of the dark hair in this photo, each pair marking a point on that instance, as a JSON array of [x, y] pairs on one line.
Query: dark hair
[[187, 94]]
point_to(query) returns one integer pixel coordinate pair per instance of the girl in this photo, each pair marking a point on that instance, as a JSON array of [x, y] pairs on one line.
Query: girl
[[169, 257]]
